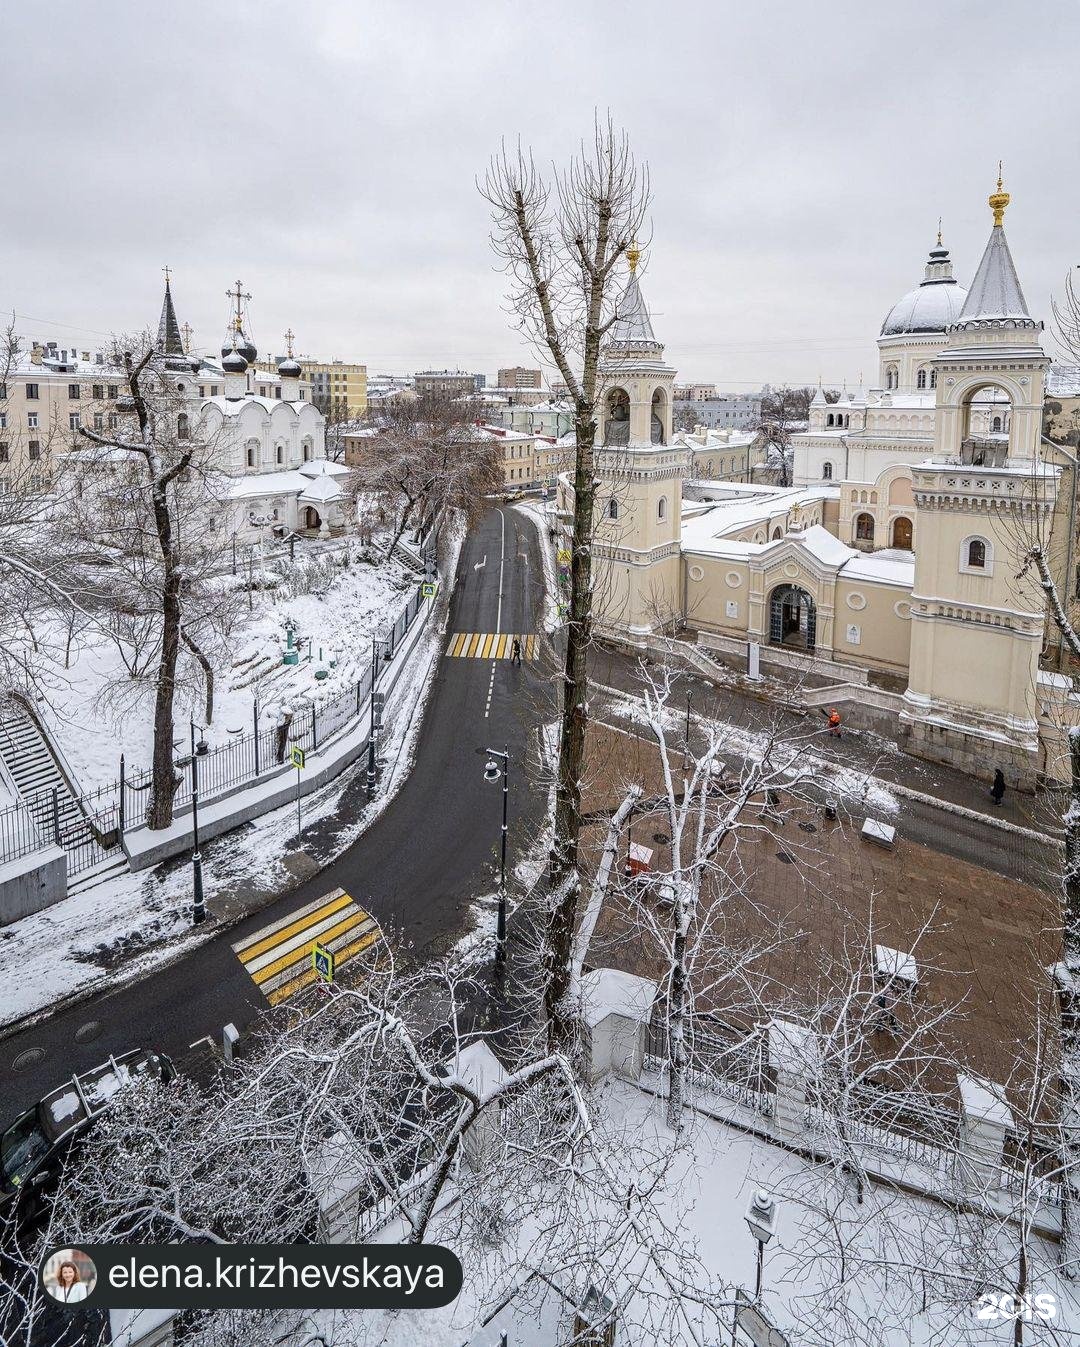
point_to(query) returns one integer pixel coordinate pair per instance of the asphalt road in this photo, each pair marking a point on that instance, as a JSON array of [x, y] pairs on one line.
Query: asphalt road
[[416, 868]]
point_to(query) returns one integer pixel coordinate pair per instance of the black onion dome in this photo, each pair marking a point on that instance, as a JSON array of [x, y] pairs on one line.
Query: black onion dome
[[234, 362]]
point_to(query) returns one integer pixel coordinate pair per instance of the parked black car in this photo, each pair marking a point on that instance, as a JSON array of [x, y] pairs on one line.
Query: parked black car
[[33, 1148]]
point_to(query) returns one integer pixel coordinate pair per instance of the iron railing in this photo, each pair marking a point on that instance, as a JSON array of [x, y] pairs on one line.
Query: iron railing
[[89, 827]]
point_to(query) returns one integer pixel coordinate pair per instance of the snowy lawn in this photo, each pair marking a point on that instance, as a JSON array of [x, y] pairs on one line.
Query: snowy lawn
[[357, 603], [823, 1284], [123, 928]]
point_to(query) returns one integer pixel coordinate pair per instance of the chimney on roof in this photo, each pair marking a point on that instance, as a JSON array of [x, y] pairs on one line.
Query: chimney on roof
[[86, 355], [36, 354]]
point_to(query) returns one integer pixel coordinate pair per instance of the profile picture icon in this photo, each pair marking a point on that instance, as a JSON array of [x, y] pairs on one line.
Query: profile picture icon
[[69, 1276]]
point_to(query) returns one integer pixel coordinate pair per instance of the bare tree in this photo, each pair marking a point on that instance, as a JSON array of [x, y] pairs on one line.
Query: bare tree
[[424, 458], [782, 412], [560, 238], [141, 495]]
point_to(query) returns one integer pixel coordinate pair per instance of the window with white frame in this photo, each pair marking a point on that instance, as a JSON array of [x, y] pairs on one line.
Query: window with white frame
[[976, 556]]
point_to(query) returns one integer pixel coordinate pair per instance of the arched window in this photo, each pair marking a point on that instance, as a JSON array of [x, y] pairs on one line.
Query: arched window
[[776, 533], [656, 422], [864, 528], [976, 554], [280, 453], [617, 418], [252, 449], [920, 381], [829, 419], [182, 431], [306, 450], [933, 378], [661, 508], [826, 472], [613, 508], [890, 377], [996, 424]]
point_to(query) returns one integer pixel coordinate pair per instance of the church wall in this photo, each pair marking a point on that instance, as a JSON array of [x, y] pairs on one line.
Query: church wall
[[717, 594], [872, 624]]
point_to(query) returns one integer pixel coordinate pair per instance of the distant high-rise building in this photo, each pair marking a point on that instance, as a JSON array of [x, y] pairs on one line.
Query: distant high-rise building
[[520, 377]]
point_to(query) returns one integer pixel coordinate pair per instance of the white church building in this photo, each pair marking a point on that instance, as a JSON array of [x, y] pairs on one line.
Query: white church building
[[269, 439], [888, 572]]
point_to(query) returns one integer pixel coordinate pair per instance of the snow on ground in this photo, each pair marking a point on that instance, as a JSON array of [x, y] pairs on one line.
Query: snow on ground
[[543, 516], [355, 604], [137, 921], [699, 1188], [848, 783]]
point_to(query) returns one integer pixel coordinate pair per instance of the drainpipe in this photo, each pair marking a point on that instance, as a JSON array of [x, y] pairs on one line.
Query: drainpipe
[[1070, 556]]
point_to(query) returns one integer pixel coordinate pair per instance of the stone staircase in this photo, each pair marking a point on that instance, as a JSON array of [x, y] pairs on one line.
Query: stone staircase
[[39, 781]]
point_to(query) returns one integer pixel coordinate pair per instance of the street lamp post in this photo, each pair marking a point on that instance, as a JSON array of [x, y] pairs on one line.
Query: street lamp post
[[492, 772], [373, 729], [761, 1214], [198, 906]]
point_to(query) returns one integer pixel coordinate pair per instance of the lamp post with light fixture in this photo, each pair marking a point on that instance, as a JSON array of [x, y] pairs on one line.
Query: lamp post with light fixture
[[761, 1213], [492, 772]]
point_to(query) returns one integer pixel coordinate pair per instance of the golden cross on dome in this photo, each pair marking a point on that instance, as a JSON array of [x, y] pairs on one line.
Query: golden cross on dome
[[168, 273], [289, 337], [997, 201], [239, 296], [633, 256], [185, 332]]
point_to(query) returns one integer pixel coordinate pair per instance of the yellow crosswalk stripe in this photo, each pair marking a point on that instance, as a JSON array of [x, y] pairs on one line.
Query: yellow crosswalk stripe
[[491, 645], [278, 957]]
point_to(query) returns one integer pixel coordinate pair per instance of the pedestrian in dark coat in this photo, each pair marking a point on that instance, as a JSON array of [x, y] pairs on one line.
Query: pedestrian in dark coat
[[997, 790]]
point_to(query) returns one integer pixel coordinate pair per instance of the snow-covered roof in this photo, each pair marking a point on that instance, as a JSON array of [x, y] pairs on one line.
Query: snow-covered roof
[[632, 325], [822, 544], [323, 467], [319, 490], [266, 484], [233, 406], [995, 292], [702, 528], [928, 308], [609, 991], [890, 566]]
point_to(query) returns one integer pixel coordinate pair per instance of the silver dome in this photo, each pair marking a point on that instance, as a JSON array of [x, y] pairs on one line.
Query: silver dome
[[930, 307]]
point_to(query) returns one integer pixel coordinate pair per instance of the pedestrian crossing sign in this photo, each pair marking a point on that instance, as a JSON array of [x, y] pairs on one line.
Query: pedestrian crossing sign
[[322, 960], [427, 589], [296, 756]]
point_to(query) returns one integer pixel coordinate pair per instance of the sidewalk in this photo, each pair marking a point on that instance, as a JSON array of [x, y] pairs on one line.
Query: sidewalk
[[860, 750]]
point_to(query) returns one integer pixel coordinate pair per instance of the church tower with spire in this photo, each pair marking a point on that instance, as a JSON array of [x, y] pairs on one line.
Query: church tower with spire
[[636, 549], [985, 490]]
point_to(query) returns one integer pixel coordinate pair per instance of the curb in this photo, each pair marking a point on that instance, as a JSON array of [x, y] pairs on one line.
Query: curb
[[116, 980], [1048, 838]]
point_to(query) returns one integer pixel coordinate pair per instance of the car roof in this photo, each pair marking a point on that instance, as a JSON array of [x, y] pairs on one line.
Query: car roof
[[89, 1093]]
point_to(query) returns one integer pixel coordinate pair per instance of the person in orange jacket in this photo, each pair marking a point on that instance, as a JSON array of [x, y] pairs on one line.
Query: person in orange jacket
[[834, 722]]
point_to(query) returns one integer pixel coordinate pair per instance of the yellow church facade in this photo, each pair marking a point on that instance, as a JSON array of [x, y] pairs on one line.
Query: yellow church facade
[[891, 572]]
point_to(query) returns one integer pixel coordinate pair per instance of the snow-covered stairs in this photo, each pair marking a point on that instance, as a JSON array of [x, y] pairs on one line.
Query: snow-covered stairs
[[39, 780], [99, 874]]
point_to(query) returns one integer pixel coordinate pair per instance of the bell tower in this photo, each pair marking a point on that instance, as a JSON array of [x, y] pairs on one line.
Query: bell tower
[[977, 630], [636, 547]]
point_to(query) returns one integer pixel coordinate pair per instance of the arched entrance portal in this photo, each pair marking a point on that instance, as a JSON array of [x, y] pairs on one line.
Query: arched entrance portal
[[311, 518], [792, 618], [901, 532]]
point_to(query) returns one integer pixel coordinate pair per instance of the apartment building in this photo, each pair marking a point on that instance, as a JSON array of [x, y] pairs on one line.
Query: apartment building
[[47, 394], [520, 377], [338, 388], [452, 382]]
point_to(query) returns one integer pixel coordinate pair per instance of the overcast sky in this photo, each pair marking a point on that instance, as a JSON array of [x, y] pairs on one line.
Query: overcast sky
[[326, 153]]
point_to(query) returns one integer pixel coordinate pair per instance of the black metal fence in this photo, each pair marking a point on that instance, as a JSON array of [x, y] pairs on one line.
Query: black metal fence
[[250, 756], [89, 829]]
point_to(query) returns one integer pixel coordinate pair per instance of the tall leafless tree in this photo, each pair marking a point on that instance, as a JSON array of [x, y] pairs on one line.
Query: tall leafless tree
[[559, 237]]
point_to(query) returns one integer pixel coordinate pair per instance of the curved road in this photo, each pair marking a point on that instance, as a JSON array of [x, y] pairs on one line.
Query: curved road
[[416, 868]]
